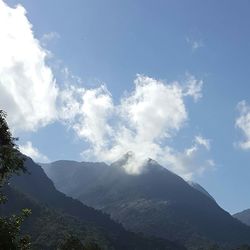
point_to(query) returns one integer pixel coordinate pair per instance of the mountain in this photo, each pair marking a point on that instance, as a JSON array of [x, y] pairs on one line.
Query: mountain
[[243, 216], [54, 214], [48, 228], [156, 202], [200, 188]]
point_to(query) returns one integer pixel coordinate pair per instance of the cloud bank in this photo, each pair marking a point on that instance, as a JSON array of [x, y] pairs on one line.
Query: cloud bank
[[28, 91], [143, 121]]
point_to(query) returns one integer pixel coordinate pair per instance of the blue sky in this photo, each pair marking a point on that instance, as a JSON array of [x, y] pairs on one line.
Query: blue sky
[[89, 44]]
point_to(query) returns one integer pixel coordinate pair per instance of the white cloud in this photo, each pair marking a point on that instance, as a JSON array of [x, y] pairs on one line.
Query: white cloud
[[202, 141], [70, 102], [243, 123], [27, 89], [31, 151], [143, 122], [94, 113], [192, 161], [153, 112], [194, 87], [195, 44], [154, 109], [50, 36]]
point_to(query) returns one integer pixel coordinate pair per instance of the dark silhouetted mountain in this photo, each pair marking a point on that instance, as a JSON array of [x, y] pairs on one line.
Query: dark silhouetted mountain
[[243, 216], [53, 212], [48, 228], [156, 202]]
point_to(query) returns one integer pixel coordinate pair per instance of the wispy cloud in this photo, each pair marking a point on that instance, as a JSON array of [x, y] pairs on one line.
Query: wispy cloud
[[192, 161], [193, 87], [50, 36], [194, 44], [31, 151], [243, 123], [202, 141]]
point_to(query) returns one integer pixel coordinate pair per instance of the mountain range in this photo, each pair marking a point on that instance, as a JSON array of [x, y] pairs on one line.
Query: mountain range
[[55, 215], [156, 202]]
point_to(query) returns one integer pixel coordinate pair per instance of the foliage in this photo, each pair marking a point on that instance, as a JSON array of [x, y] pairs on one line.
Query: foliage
[[10, 231], [71, 243], [91, 246], [11, 162], [243, 247]]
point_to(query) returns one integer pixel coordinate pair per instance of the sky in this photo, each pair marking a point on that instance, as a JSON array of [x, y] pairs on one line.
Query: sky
[[167, 80]]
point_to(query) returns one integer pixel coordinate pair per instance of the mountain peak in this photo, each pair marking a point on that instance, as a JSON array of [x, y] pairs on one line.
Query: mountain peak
[[124, 159], [152, 161], [130, 155], [135, 164]]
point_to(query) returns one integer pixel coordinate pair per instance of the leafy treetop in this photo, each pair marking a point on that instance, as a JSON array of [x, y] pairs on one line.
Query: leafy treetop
[[11, 160]]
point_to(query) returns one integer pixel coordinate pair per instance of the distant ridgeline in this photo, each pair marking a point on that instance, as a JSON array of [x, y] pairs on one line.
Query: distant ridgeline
[[156, 202], [243, 216]]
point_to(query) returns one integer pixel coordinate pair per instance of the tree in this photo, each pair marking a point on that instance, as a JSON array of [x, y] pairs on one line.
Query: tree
[[11, 162], [243, 247], [71, 243], [10, 231], [91, 246]]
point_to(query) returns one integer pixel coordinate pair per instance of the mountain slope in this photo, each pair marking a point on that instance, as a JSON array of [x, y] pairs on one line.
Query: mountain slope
[[200, 188], [39, 188], [156, 202], [46, 227], [243, 216]]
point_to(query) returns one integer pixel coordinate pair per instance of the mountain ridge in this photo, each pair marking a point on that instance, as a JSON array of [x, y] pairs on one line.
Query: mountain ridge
[[39, 188], [156, 197], [243, 216]]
